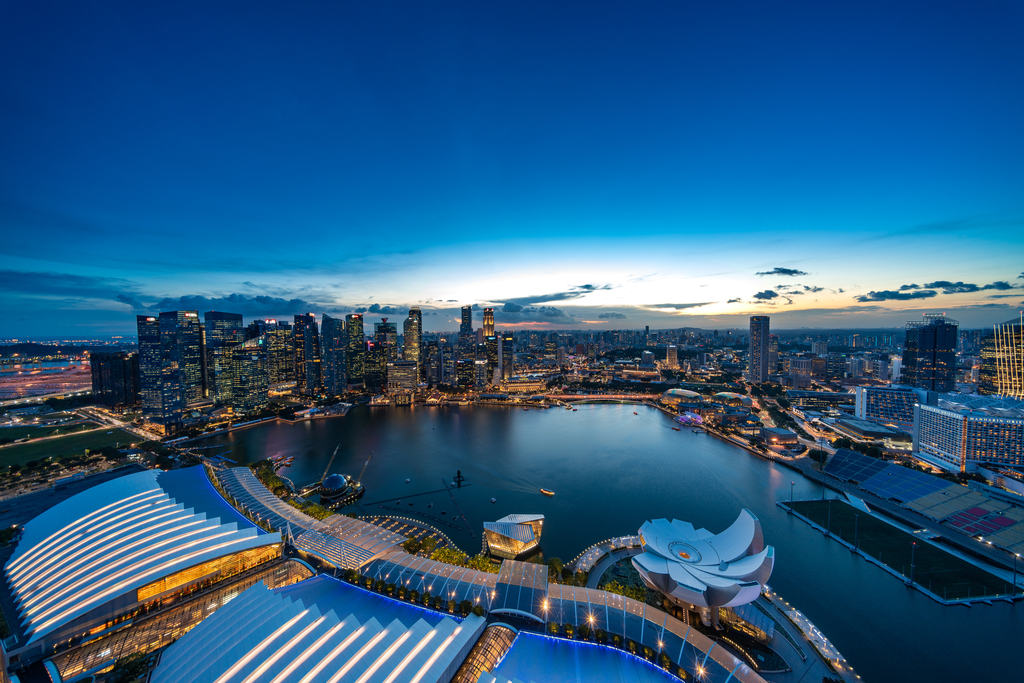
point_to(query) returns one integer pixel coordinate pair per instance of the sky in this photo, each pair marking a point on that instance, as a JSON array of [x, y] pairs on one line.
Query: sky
[[586, 165]]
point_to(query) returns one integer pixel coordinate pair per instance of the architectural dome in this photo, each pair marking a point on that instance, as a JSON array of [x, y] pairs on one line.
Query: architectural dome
[[731, 398], [334, 483], [695, 567], [677, 396]]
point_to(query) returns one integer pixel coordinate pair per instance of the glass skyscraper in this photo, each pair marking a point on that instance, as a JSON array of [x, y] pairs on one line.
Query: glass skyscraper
[[929, 353], [355, 349], [223, 330], [171, 355], [412, 339], [1008, 340], [467, 340], [759, 355], [308, 360], [332, 332]]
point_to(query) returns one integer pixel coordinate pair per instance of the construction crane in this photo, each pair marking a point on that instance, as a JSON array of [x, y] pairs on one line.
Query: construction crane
[[329, 463], [361, 473]]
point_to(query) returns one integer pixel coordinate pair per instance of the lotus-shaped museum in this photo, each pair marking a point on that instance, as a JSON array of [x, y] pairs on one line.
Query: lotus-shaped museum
[[695, 567]]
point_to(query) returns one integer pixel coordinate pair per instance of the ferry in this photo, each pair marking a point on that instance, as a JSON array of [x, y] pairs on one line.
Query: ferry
[[547, 492], [406, 481], [494, 500]]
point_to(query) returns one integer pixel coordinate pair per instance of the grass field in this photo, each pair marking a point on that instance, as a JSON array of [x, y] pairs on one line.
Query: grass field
[[934, 569], [20, 432], [72, 444]]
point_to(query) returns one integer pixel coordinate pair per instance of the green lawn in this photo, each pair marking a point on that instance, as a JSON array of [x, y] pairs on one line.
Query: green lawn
[[72, 444], [35, 432], [934, 569]]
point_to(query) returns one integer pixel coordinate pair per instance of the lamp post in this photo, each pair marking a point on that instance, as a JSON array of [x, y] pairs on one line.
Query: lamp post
[[791, 492]]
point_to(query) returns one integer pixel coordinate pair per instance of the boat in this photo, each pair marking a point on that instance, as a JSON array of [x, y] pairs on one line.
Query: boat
[[430, 505], [675, 429], [406, 481], [443, 512], [410, 503], [547, 492], [494, 500], [635, 413]]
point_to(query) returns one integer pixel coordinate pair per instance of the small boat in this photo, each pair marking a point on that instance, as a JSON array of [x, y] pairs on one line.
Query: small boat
[[443, 512], [574, 410], [547, 492], [635, 413], [398, 503], [675, 429], [430, 505], [494, 500], [410, 503], [406, 481]]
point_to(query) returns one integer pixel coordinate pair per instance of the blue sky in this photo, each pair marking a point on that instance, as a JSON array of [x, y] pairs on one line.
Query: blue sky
[[574, 164]]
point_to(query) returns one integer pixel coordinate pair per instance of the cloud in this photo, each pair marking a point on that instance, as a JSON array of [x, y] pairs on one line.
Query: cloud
[[237, 303], [66, 284], [679, 307], [612, 315], [948, 287], [1021, 276], [514, 313], [890, 295], [734, 301], [1003, 296], [785, 272], [386, 310], [577, 292], [766, 295], [131, 300]]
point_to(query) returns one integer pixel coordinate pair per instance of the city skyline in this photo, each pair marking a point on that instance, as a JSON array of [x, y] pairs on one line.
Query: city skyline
[[825, 166]]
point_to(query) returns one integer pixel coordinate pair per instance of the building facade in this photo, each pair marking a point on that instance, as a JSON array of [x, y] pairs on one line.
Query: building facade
[[355, 349], [249, 376], [929, 354], [1008, 341], [891, 405], [223, 331], [963, 431], [759, 354], [332, 334], [308, 359], [412, 339], [488, 322], [403, 376], [115, 378], [171, 365]]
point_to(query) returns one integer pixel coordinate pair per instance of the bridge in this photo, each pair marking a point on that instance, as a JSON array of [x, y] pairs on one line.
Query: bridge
[[618, 398]]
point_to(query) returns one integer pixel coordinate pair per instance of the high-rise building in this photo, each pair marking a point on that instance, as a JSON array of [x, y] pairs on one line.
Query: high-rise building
[[385, 336], [223, 330], [672, 357], [412, 339], [758, 358], [929, 353], [819, 348], [491, 351], [1008, 342], [430, 363], [465, 372], [115, 378], [279, 346], [467, 339], [773, 354], [403, 376], [988, 374], [893, 406], [248, 375], [333, 348], [488, 322], [170, 365], [448, 369], [965, 430], [508, 355], [308, 359], [355, 349]]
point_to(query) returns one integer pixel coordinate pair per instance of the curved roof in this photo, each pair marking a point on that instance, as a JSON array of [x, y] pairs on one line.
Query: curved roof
[[335, 482], [701, 568], [681, 393], [117, 537]]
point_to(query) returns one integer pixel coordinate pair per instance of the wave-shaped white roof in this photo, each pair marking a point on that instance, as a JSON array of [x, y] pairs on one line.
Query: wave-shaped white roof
[[117, 537]]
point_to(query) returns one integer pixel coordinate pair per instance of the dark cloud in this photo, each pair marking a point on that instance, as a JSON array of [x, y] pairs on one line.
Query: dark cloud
[[904, 288], [521, 314], [1003, 296], [131, 300], [65, 284], [813, 290], [766, 295], [611, 315], [734, 301], [786, 272], [386, 310], [1021, 276], [679, 307], [237, 303], [948, 287], [511, 308], [574, 293], [890, 295]]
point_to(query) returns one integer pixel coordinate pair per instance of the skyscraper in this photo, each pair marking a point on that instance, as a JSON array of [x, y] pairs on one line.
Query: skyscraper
[[1008, 340], [170, 365], [773, 353], [488, 322], [759, 356], [115, 378], [308, 359], [355, 349], [507, 351], [672, 357], [929, 353], [412, 338], [988, 373], [223, 330], [491, 351], [332, 332], [467, 340], [248, 375], [279, 346]]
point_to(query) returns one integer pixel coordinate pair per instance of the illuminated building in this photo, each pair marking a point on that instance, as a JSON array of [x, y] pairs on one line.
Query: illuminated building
[[507, 351], [480, 374], [332, 334], [524, 385], [467, 339], [672, 357], [448, 370], [465, 373], [491, 351], [402, 376], [488, 328], [412, 339], [890, 405], [355, 349], [171, 363], [819, 348], [759, 356], [988, 374], [1008, 340], [142, 539], [223, 330], [929, 354], [430, 363], [248, 376], [115, 378], [308, 360], [513, 536], [695, 567], [385, 336], [963, 431], [279, 345], [773, 353]]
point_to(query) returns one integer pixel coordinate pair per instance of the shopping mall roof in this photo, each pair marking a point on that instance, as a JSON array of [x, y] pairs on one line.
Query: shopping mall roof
[[117, 537], [319, 630]]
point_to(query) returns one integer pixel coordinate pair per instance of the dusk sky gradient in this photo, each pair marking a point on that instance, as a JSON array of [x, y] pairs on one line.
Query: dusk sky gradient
[[577, 165]]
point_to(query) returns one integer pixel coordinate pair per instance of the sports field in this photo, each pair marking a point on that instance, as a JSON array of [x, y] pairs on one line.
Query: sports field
[[943, 574], [36, 432], [72, 444]]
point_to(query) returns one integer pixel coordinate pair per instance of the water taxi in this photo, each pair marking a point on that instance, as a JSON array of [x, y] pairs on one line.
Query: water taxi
[[675, 429], [547, 492]]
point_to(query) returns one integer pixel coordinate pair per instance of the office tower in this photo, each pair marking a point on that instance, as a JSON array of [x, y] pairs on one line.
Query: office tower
[[355, 349], [646, 359], [773, 353], [672, 357], [758, 360], [896, 370], [488, 328], [115, 378], [819, 348], [929, 353], [508, 354], [375, 374], [480, 376], [279, 347], [223, 330], [403, 376], [448, 358], [467, 339], [880, 369], [988, 374], [430, 363], [308, 359], [170, 365], [333, 348], [385, 336], [1009, 358], [491, 356], [551, 346], [249, 375], [465, 373], [412, 338], [148, 330]]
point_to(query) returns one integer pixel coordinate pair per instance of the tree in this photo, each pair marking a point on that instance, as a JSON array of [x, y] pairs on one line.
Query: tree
[[131, 668], [584, 631], [555, 566], [428, 545], [478, 610], [465, 606]]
